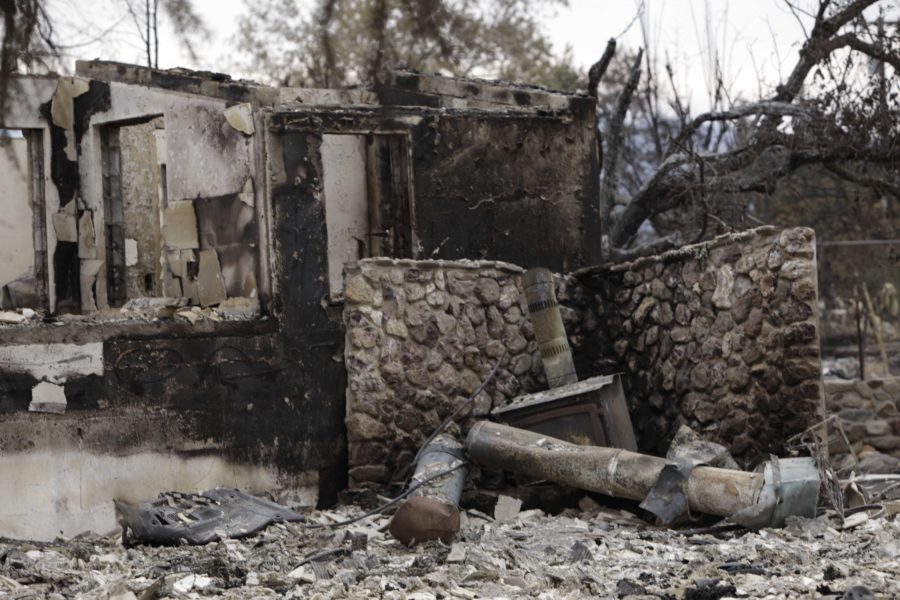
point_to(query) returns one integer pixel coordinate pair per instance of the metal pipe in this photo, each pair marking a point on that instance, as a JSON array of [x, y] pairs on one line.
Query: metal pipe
[[432, 512], [611, 471], [549, 330]]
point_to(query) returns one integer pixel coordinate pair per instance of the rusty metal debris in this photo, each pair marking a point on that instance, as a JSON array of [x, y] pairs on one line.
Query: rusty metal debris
[[432, 511], [590, 412], [754, 500], [175, 518]]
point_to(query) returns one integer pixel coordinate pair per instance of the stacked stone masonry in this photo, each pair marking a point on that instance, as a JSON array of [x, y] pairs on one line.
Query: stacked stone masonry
[[421, 337], [867, 418], [722, 336]]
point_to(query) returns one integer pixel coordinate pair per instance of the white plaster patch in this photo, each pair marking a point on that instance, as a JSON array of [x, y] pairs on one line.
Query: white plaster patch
[[131, 252], [240, 116], [53, 362], [48, 397]]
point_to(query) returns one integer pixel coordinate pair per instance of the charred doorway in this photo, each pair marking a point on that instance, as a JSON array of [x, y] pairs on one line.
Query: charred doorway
[[134, 200], [369, 207]]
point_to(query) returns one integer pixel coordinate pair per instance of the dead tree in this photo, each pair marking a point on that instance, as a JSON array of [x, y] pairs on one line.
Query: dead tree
[[786, 131]]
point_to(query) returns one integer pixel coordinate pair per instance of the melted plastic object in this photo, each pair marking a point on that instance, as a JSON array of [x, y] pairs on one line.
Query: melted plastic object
[[174, 518]]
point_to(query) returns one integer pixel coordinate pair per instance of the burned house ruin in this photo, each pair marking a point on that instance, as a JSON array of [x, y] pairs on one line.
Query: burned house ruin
[[208, 278]]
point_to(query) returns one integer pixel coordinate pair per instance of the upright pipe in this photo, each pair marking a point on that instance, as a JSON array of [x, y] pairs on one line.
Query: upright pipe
[[611, 471], [432, 511], [549, 331]]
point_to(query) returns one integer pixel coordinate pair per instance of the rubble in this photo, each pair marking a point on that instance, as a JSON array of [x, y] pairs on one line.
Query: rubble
[[602, 553]]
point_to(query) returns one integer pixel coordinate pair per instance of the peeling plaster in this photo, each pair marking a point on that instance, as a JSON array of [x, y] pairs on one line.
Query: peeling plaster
[[66, 224], [62, 109], [89, 270], [240, 116], [211, 286], [87, 242], [181, 226]]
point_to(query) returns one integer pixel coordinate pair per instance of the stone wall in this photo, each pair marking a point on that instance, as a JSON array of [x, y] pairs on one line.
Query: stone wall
[[867, 417], [722, 336], [421, 337]]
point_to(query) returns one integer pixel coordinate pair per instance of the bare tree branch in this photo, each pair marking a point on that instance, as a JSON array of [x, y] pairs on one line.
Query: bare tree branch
[[780, 109], [614, 139], [872, 50], [893, 187], [655, 247], [817, 47], [598, 69]]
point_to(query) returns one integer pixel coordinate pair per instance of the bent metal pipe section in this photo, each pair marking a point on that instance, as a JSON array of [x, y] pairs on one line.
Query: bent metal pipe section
[[611, 471]]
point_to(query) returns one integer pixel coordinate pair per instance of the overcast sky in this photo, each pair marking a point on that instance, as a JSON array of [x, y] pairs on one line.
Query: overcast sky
[[756, 41]]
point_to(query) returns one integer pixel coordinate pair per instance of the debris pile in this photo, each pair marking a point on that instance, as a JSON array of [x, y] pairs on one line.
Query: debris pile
[[597, 552], [146, 309]]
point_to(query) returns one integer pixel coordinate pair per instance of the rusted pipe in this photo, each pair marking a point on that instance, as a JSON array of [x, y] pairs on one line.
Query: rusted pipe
[[432, 512], [611, 471], [549, 331]]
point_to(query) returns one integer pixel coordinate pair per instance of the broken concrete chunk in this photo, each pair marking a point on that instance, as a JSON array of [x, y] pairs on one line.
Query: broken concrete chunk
[[239, 308], [154, 307], [48, 397], [66, 226], [457, 553], [87, 243], [240, 116], [507, 508], [188, 315], [181, 226], [131, 252], [210, 285]]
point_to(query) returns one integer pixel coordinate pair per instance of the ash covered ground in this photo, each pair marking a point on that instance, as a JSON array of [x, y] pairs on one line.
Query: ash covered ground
[[592, 553]]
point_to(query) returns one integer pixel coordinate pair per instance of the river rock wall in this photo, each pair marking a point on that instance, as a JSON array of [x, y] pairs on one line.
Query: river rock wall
[[722, 336], [421, 337]]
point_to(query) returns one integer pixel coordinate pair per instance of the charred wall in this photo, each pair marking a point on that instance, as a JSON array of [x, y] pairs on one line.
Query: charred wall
[[510, 188], [151, 395], [488, 183]]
